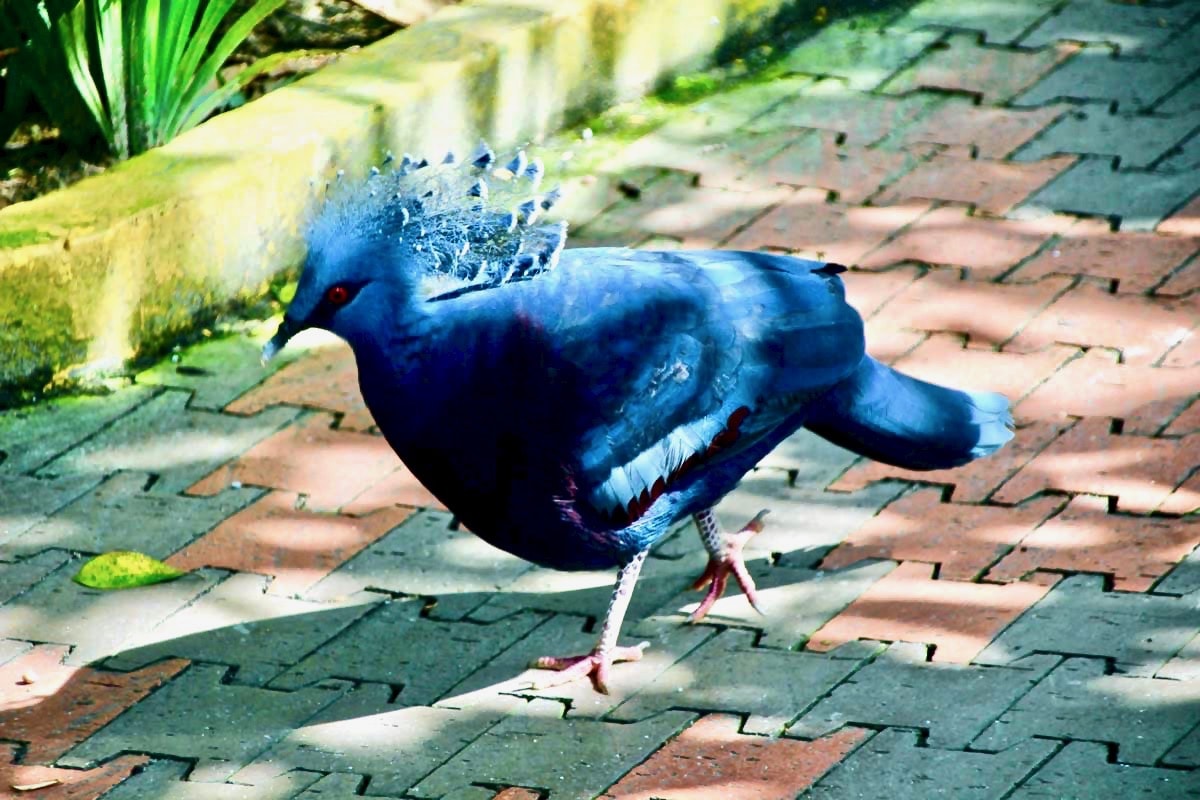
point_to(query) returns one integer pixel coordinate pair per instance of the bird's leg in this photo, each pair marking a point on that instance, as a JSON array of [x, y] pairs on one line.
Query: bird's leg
[[724, 559], [598, 662]]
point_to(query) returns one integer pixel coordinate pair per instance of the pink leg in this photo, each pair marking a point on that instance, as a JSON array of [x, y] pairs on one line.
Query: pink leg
[[724, 559], [598, 663]]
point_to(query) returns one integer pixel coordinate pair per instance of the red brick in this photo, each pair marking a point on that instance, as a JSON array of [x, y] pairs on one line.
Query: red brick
[[972, 483], [1139, 471], [1138, 261], [888, 344], [326, 380], [991, 186], [71, 784], [1186, 498], [829, 105], [987, 246], [944, 359], [994, 132], [1142, 328], [988, 313], [1184, 222], [1136, 551], [296, 546], [1095, 385], [1185, 281], [908, 605], [516, 793], [996, 73], [331, 467], [869, 291], [711, 759], [964, 539], [1187, 352], [64, 705], [1185, 423], [806, 225], [855, 173]]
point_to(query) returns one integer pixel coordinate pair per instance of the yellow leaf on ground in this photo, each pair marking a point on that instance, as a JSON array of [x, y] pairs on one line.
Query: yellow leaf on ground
[[124, 569]]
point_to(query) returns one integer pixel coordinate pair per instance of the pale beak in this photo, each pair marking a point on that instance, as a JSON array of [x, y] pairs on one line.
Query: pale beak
[[287, 329]]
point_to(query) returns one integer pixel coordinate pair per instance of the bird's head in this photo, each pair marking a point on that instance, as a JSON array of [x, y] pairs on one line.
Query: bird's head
[[419, 233]]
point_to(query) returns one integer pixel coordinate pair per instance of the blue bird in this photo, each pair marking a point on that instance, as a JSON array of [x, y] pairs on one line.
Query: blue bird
[[571, 406]]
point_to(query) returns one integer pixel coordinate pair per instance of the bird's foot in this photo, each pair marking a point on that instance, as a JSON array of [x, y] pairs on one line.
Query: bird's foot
[[595, 665], [729, 562]]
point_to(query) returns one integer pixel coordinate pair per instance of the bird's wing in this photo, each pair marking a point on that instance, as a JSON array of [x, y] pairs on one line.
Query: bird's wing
[[688, 355]]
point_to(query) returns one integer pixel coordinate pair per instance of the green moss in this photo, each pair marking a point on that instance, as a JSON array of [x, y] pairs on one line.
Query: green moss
[[24, 237]]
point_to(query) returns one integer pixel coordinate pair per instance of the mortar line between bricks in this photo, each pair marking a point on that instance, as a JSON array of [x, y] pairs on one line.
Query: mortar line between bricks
[[1189, 263], [652, 753], [1067, 287], [889, 181], [759, 215], [1034, 769]]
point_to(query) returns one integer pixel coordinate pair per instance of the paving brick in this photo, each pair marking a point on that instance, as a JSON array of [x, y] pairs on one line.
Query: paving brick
[[94, 622], [1081, 770], [796, 602], [961, 64], [1183, 222], [726, 162], [1132, 29], [71, 784], [1088, 458], [1136, 551], [862, 58], [238, 623], [346, 786], [973, 483], [396, 645], [1186, 157], [120, 515], [815, 158], [424, 557], [711, 756], [1187, 422], [217, 370], [26, 502], [1138, 140], [198, 716], [870, 291], [31, 436], [1141, 328], [995, 187], [1077, 700], [991, 132], [1139, 632], [326, 380], [163, 779], [52, 707], [162, 436], [1094, 73], [999, 20], [943, 301], [987, 246], [954, 703], [1186, 753], [1093, 187], [571, 758], [18, 576], [830, 105], [964, 540], [1146, 398], [1136, 261], [894, 765], [728, 674], [277, 536], [720, 115], [362, 733], [909, 605], [1186, 353], [804, 224]]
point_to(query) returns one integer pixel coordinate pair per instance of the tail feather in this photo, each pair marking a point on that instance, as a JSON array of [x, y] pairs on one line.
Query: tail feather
[[882, 414]]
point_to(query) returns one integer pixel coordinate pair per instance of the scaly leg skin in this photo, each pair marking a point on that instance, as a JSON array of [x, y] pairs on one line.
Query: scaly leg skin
[[724, 559], [598, 663]]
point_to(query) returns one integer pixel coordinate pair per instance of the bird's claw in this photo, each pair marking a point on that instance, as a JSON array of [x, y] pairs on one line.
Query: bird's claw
[[596, 665], [730, 562]]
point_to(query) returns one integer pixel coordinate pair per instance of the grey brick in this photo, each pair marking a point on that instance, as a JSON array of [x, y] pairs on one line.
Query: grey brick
[[29, 437], [25, 502], [727, 674], [1091, 186], [11, 649], [1095, 74], [953, 702], [198, 716], [1184, 97], [893, 765], [572, 758], [1138, 631], [832, 106], [163, 779], [345, 786], [1187, 752], [18, 576], [999, 20], [862, 58], [1081, 771], [1137, 140], [396, 645], [217, 371], [1143, 716], [1186, 157], [239, 624], [96, 623], [119, 515], [1132, 29]]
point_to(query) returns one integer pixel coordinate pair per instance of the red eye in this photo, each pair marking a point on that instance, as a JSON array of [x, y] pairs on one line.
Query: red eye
[[337, 295]]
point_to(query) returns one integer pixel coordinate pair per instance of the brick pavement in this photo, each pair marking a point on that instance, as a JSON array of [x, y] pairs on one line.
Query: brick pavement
[[1016, 186]]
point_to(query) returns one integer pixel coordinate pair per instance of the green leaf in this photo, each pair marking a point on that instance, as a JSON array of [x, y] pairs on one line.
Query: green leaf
[[125, 569]]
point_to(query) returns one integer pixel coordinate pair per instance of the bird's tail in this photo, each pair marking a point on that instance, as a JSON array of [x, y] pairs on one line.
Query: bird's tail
[[882, 414]]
